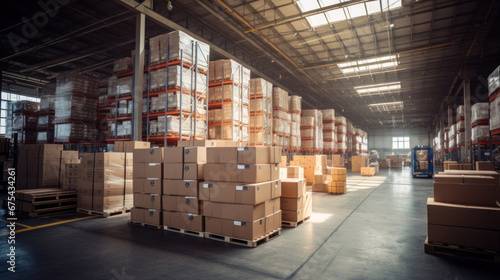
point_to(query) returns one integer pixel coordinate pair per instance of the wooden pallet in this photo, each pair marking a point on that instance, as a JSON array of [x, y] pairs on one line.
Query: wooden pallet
[[461, 251], [103, 214], [42, 202], [242, 242], [185, 231], [145, 224], [294, 224]]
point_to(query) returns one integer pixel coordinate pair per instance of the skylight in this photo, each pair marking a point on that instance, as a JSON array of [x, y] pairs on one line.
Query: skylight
[[353, 11], [384, 88], [389, 106], [369, 66]]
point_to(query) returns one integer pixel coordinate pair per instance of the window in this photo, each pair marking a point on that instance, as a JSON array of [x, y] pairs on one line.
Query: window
[[400, 142], [6, 98]]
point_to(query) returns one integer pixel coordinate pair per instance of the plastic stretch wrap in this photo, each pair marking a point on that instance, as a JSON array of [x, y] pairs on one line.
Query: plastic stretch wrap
[[307, 133], [342, 138], [329, 126], [259, 139], [295, 142], [296, 117], [157, 103], [307, 122], [287, 128], [226, 69], [77, 131], [23, 122], [29, 106], [277, 140], [286, 141], [158, 48], [278, 114], [75, 108], [295, 103], [122, 65], [339, 120], [262, 87], [47, 103], [480, 111], [259, 105], [228, 92], [341, 129], [46, 121], [178, 41], [329, 136], [312, 113], [461, 137], [350, 127], [295, 129], [495, 114], [280, 99], [453, 143], [259, 122], [310, 144], [480, 131], [328, 145], [224, 132], [158, 77], [340, 146], [452, 131], [245, 116], [494, 81], [45, 136], [328, 115], [288, 117], [460, 125], [460, 111], [278, 126], [67, 83]]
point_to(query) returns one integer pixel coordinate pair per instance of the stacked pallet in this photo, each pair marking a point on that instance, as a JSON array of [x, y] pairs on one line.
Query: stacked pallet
[[47, 201], [395, 160], [147, 186], [75, 108], [22, 119], [106, 185], [296, 111], [350, 136], [341, 130], [493, 92], [311, 130], [480, 120], [460, 127], [358, 162], [261, 110], [369, 171], [337, 161], [183, 172], [281, 118], [241, 194], [452, 137], [464, 213], [311, 165], [329, 131], [229, 96], [45, 122], [338, 183]]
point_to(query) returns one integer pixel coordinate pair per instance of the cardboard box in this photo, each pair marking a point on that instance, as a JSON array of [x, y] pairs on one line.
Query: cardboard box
[[446, 164], [236, 229], [474, 173], [84, 201], [458, 215], [186, 221], [223, 155], [367, 171], [118, 146], [148, 170], [180, 187], [292, 204], [295, 172], [468, 194], [275, 189], [283, 161], [184, 204], [148, 201], [173, 155], [358, 162], [207, 143], [293, 188], [293, 215], [253, 173], [273, 221], [193, 171], [173, 171], [148, 185], [151, 155], [259, 155], [319, 187], [274, 171], [337, 161], [283, 173], [221, 172], [130, 146], [195, 155], [485, 165], [108, 203], [228, 192], [467, 237], [236, 212]]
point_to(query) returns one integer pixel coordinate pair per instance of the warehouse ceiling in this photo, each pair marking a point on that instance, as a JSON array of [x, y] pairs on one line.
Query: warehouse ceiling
[[384, 63]]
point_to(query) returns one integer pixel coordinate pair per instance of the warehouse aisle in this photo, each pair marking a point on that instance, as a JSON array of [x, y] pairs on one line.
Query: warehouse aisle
[[375, 231]]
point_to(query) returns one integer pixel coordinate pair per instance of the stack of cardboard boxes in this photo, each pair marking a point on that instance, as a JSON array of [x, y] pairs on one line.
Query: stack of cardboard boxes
[[295, 111], [396, 161], [147, 186], [485, 165], [459, 166], [329, 130], [261, 112], [337, 161], [241, 192], [296, 202], [70, 174], [464, 210], [338, 183], [106, 182], [39, 165], [367, 171], [446, 164], [281, 118], [183, 172], [357, 162], [312, 165]]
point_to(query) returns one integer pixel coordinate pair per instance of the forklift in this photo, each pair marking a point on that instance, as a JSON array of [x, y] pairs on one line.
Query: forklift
[[422, 163]]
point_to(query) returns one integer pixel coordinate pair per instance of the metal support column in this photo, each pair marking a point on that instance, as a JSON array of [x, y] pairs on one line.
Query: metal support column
[[467, 120], [140, 31]]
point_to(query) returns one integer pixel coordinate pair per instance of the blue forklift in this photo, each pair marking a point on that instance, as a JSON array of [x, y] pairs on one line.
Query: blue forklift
[[422, 162]]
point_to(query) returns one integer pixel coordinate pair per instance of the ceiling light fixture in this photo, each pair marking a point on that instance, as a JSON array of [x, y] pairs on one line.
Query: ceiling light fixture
[[369, 66], [385, 88]]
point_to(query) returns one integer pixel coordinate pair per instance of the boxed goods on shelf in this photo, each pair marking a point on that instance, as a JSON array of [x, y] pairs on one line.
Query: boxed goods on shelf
[[494, 81], [23, 105], [460, 112], [47, 103], [74, 131], [280, 99], [480, 111], [495, 114], [122, 65]]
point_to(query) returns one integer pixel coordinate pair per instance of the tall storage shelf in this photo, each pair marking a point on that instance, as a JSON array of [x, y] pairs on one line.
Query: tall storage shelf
[[45, 122], [229, 102]]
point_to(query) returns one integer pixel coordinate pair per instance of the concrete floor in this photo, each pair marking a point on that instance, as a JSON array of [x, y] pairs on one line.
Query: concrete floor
[[375, 231]]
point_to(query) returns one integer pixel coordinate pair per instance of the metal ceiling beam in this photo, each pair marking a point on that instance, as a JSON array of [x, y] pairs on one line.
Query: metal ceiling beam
[[307, 14]]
